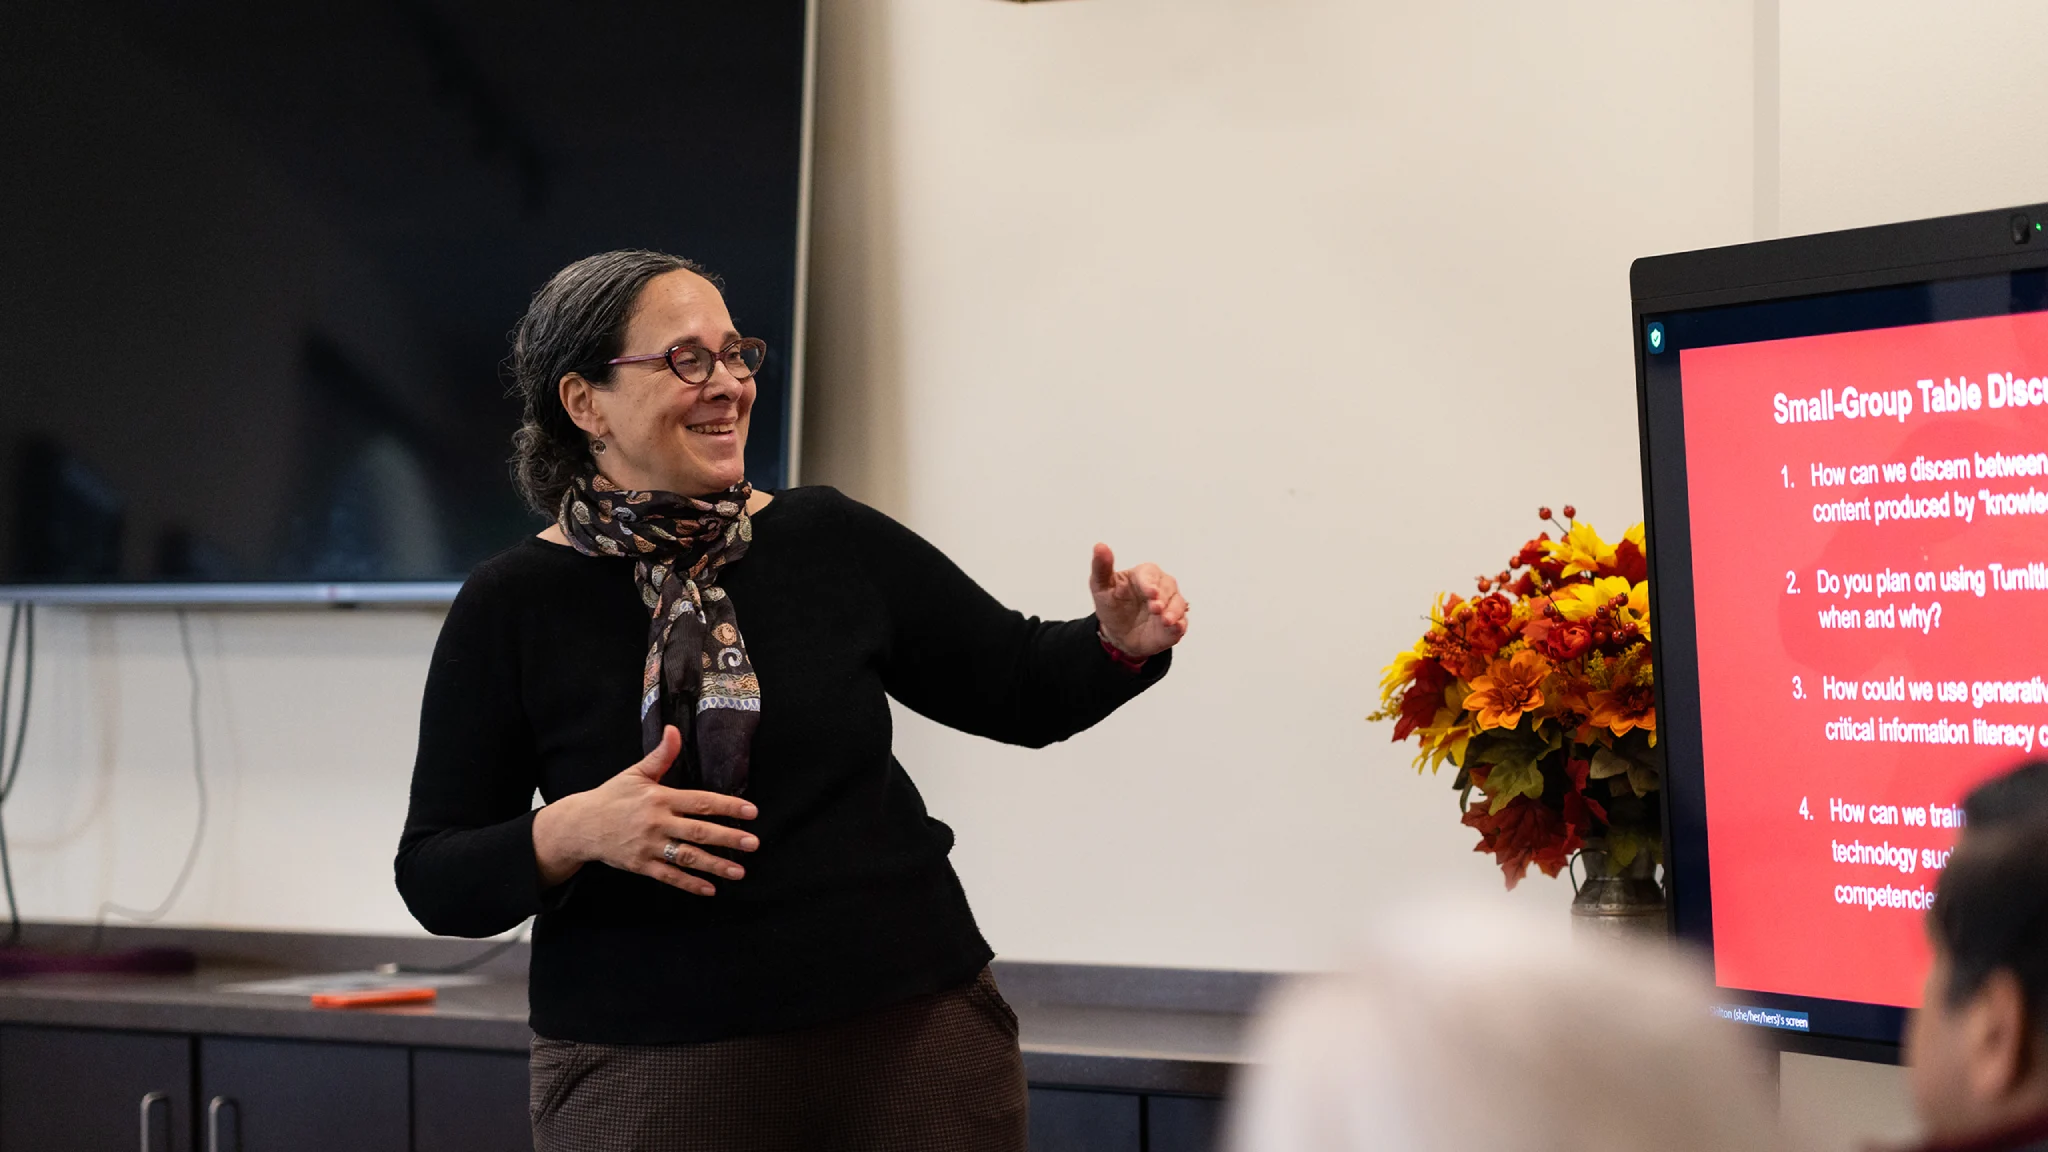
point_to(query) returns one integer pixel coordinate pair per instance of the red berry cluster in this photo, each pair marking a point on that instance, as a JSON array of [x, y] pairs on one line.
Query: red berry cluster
[[1605, 630]]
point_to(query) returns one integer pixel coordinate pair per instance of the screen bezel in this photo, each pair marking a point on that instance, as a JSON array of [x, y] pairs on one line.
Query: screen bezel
[[1917, 253]]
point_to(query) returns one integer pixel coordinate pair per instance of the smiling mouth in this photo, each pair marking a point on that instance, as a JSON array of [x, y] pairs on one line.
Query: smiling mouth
[[719, 429]]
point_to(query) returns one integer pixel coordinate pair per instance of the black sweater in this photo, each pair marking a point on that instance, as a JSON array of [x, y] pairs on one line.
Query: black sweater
[[850, 903]]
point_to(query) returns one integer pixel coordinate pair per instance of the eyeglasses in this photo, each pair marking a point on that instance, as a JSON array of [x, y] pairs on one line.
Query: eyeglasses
[[693, 363]]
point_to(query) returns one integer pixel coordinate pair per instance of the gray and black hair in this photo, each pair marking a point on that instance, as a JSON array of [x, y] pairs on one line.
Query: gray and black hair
[[576, 322], [1991, 906], [1991, 911]]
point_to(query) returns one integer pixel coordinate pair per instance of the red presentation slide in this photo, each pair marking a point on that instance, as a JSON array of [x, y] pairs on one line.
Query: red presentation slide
[[1870, 568]]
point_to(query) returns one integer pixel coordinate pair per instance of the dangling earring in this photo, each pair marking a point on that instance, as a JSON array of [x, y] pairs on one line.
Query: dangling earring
[[596, 446]]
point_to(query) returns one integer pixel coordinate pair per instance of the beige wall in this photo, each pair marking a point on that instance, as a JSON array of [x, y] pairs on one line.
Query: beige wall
[[308, 719], [1895, 110], [1312, 303], [1844, 1105]]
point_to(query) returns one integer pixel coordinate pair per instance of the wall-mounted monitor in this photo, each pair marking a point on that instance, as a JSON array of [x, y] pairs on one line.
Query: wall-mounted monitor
[[261, 261], [1845, 461]]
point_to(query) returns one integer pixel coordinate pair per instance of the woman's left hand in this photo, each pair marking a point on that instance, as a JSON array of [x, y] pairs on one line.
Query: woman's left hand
[[1140, 609]]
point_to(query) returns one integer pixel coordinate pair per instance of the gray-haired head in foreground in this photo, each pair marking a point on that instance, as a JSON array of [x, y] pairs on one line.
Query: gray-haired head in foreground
[[576, 322], [1472, 1025]]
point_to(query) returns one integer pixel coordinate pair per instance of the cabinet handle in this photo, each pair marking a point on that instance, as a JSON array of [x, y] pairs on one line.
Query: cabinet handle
[[214, 1107], [150, 1100]]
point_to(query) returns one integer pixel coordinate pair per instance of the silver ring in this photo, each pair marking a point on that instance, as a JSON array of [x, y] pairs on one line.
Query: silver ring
[[669, 853]]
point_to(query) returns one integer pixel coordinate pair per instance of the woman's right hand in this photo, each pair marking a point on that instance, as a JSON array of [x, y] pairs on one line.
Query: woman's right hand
[[628, 821]]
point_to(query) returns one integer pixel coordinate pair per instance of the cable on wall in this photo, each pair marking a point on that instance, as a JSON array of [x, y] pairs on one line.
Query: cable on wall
[[109, 908], [23, 618], [21, 628]]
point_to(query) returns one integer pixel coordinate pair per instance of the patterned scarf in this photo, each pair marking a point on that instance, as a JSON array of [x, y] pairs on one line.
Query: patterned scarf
[[697, 675]]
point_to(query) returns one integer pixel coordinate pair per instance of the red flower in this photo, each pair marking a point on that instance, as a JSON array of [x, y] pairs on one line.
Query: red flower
[[1580, 810], [1559, 638], [1451, 646], [1487, 630], [1420, 702], [1495, 610], [1629, 563], [1524, 832]]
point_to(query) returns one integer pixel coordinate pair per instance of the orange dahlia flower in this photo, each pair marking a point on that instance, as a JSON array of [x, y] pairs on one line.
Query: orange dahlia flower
[[1511, 686], [1624, 706]]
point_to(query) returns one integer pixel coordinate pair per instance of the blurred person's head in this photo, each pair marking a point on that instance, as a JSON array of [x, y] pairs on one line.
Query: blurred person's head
[[1474, 1026], [1978, 1045], [2021, 794]]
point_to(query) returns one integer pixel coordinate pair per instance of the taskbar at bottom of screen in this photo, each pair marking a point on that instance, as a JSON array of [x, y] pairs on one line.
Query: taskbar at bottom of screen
[[1811, 1023]]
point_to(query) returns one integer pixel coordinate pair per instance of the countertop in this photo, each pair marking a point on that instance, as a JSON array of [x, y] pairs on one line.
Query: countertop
[[1132, 1029]]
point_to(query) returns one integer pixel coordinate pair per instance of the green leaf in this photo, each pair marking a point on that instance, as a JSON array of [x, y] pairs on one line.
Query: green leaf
[[1643, 779], [1622, 846], [1606, 763], [1508, 781], [1513, 760], [1513, 746]]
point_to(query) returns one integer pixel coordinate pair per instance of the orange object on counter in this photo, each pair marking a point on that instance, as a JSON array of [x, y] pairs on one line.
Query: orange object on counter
[[373, 998]]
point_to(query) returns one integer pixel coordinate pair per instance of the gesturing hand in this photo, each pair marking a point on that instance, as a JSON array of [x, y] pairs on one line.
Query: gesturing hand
[[1140, 609], [630, 821]]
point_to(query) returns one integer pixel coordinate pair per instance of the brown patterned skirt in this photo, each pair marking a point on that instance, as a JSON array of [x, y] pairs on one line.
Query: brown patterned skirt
[[936, 1074]]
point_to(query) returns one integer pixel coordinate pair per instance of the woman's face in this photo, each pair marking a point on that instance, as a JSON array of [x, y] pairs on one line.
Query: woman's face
[[660, 433]]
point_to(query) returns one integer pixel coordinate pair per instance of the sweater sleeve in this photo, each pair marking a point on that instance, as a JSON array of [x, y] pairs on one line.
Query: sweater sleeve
[[466, 864], [959, 657]]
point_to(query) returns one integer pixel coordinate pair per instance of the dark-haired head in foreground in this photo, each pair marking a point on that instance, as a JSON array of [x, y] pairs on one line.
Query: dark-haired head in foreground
[[2021, 794], [1978, 1046]]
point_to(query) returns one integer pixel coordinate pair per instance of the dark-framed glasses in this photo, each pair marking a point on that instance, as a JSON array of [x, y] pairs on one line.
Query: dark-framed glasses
[[694, 363]]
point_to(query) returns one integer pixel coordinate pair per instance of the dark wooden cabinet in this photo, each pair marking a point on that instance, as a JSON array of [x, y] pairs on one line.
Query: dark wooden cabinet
[[1070, 1120], [292, 1096], [83, 1089], [469, 1102], [1183, 1124]]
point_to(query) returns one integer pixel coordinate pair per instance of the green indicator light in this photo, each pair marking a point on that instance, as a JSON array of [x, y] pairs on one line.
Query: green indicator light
[[2037, 227]]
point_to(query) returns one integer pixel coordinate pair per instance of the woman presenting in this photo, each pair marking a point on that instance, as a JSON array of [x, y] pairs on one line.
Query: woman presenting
[[749, 935]]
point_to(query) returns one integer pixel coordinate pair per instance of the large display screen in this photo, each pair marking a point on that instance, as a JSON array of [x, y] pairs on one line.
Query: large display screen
[[261, 261], [1850, 521]]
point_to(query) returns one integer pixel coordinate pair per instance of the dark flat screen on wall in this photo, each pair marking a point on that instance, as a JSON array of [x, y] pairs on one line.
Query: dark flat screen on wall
[[1844, 442], [259, 263]]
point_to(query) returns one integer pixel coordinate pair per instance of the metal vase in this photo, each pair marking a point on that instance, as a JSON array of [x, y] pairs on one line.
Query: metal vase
[[1618, 902]]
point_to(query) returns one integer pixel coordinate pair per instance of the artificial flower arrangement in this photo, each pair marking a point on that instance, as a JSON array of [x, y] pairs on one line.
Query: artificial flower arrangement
[[1538, 691]]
